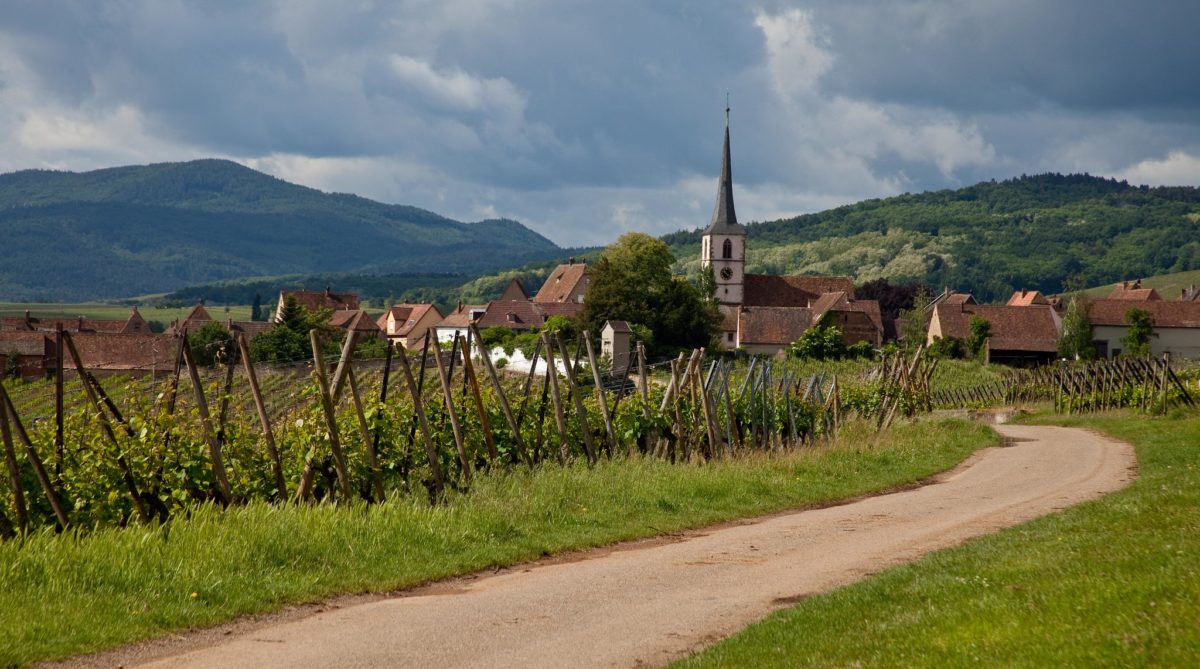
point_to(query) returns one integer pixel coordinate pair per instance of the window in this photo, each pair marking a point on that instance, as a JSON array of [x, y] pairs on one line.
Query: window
[[729, 336], [727, 249]]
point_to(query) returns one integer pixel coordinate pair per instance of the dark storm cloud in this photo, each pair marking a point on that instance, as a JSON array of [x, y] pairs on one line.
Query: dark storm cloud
[[588, 118]]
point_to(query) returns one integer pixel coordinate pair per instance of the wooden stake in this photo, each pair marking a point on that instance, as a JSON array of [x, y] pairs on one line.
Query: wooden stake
[[59, 440], [559, 417], [365, 433], [513, 425], [426, 433], [608, 425], [31, 453], [214, 446], [339, 459], [263, 419], [584, 428], [343, 366], [473, 382], [448, 399], [14, 473]]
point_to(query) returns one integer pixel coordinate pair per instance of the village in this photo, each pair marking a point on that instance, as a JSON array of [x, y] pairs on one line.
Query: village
[[761, 315]]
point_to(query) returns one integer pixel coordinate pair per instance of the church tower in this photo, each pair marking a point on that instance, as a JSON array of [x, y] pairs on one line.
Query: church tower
[[723, 244]]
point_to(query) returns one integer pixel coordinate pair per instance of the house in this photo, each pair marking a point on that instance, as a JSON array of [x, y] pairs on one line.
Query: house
[[198, 317], [315, 300], [407, 324], [615, 339], [1176, 326], [1027, 298], [458, 322], [135, 324], [524, 315], [1189, 294], [762, 313], [566, 283], [515, 290], [33, 351], [1020, 335], [358, 321], [1132, 290]]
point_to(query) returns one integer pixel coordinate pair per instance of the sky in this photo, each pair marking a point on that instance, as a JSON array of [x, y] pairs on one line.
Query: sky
[[585, 120]]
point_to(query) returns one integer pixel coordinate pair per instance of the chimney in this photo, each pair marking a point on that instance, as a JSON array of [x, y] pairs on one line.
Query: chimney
[[80, 322]]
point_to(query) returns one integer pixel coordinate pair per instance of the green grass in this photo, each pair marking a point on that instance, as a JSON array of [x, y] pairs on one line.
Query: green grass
[[106, 311], [65, 595], [1115, 582]]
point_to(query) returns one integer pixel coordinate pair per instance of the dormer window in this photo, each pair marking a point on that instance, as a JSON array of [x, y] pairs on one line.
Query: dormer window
[[512, 317]]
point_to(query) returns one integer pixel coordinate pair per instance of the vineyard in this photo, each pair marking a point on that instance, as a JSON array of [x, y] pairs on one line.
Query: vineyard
[[85, 452]]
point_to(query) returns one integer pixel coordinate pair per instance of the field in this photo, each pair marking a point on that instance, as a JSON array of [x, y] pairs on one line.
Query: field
[[1115, 582], [107, 311]]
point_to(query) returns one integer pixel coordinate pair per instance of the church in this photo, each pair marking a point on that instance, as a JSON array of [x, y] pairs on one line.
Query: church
[[761, 313]]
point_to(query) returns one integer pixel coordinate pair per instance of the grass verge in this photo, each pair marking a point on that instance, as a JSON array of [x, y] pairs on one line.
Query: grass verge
[[1114, 582], [63, 595]]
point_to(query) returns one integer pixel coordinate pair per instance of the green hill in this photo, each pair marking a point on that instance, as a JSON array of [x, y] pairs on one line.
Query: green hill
[[990, 238], [1168, 285], [155, 228]]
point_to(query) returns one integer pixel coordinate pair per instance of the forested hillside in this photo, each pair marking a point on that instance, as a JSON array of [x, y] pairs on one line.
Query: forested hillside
[[990, 238], [155, 228]]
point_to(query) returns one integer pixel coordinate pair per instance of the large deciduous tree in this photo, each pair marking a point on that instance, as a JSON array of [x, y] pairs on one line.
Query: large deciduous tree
[[1137, 339], [632, 281]]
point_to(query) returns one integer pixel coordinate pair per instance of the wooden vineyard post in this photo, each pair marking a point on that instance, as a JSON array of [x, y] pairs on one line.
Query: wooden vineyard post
[[420, 381], [585, 429], [226, 390], [513, 425], [644, 389], [263, 418], [59, 440], [335, 444], [732, 436], [537, 348], [439, 481], [559, 418], [1166, 368], [90, 389], [448, 398], [7, 406], [214, 446], [343, 366], [383, 389], [608, 425], [14, 472], [473, 382], [709, 419], [365, 433]]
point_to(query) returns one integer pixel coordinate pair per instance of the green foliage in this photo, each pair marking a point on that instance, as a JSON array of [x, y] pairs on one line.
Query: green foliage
[[12, 365], [913, 322], [1137, 339], [1075, 342], [225, 221], [820, 342], [633, 282], [977, 341], [210, 344], [256, 312], [991, 238], [288, 339], [947, 348]]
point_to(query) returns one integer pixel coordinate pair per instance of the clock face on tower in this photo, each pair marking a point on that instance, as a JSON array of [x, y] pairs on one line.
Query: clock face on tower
[[726, 273]]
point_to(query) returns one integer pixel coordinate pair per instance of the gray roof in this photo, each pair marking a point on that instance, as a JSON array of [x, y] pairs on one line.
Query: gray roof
[[724, 220]]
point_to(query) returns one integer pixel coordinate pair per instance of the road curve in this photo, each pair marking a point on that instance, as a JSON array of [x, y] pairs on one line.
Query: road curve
[[648, 606]]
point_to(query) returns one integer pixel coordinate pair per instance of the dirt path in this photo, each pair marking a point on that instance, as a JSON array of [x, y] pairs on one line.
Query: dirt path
[[647, 606]]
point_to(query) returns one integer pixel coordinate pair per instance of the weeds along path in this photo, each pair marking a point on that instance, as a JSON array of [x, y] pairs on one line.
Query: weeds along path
[[655, 602]]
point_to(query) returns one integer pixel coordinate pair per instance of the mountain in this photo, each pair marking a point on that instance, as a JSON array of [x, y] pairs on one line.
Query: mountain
[[123, 231], [991, 238]]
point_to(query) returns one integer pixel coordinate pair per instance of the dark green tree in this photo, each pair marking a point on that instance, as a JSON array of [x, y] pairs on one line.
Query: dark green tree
[[632, 281], [256, 308], [1075, 342], [977, 341], [1137, 339], [12, 365], [913, 322], [210, 344]]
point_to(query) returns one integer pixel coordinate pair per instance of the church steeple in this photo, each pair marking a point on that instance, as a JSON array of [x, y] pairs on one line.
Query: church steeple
[[724, 219]]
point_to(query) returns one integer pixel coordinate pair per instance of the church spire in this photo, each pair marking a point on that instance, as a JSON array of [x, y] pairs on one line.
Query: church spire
[[724, 220]]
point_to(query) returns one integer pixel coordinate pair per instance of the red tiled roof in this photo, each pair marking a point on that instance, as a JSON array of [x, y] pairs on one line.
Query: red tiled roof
[[563, 283], [1165, 314], [314, 300], [132, 352], [772, 325], [1026, 298], [1127, 290], [81, 324], [353, 319], [460, 317], [618, 326], [515, 290], [1029, 328], [24, 343], [767, 290]]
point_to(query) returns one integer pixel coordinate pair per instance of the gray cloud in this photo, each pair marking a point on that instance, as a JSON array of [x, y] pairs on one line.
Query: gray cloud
[[585, 119]]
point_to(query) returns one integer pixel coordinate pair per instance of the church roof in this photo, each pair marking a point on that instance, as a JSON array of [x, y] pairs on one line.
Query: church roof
[[724, 220]]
